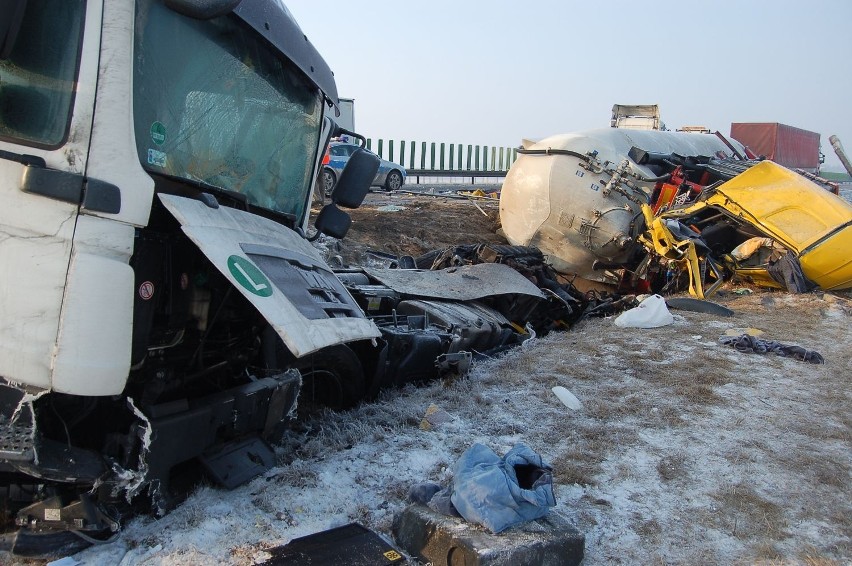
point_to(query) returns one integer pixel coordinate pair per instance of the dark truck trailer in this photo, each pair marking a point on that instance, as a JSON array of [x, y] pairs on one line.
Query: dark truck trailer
[[788, 146]]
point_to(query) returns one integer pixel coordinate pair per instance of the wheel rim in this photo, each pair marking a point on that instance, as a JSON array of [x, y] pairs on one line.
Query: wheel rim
[[394, 181], [327, 182]]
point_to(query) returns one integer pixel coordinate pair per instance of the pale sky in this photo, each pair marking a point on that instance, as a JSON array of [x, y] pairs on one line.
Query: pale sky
[[493, 72]]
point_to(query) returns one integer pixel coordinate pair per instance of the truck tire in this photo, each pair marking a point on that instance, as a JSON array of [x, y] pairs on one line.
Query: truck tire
[[332, 378]]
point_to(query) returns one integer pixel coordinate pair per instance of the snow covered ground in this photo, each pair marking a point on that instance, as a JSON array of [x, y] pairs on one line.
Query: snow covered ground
[[685, 451]]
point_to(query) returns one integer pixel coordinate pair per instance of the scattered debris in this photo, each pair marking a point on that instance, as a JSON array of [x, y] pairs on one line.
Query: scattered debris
[[567, 398], [434, 417], [739, 331], [651, 313], [350, 544], [564, 304], [698, 305], [479, 208], [751, 344], [390, 208], [454, 365], [479, 193]]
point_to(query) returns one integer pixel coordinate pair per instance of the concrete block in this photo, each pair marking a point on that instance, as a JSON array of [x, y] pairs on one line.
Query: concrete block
[[450, 541]]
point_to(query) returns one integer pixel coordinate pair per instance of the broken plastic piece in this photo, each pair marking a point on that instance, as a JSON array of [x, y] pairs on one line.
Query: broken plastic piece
[[434, 417], [698, 305], [742, 291], [567, 398]]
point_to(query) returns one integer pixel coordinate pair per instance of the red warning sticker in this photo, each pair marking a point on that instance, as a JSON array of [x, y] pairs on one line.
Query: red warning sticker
[[146, 290]]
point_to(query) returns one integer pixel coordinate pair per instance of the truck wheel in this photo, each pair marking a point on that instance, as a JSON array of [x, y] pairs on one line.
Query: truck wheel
[[333, 378], [393, 180]]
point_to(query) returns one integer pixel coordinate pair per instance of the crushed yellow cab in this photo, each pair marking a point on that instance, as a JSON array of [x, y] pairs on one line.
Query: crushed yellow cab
[[757, 223]]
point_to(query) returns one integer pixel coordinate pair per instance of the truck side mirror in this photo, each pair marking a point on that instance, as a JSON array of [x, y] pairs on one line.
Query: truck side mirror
[[332, 221], [355, 179]]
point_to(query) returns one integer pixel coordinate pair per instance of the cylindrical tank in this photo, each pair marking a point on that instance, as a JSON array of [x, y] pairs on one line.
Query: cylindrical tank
[[580, 201]]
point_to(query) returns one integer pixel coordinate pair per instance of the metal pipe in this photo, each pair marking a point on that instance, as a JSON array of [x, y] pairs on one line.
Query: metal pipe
[[838, 149]]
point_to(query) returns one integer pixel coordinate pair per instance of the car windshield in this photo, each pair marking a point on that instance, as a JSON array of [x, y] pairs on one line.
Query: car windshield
[[342, 150], [214, 103]]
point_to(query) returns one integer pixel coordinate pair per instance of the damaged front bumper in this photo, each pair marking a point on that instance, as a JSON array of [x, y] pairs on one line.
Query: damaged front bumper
[[64, 492]]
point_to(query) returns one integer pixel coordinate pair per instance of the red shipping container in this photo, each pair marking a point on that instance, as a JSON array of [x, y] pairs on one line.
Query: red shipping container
[[785, 145]]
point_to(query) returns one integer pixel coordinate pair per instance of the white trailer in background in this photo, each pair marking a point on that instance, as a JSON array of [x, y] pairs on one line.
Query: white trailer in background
[[346, 120], [636, 117]]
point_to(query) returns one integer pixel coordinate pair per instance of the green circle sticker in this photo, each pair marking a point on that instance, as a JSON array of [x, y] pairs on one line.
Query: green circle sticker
[[158, 133], [249, 276]]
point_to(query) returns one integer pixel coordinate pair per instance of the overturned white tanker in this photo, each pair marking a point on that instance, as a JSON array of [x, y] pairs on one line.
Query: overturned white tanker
[[578, 196]]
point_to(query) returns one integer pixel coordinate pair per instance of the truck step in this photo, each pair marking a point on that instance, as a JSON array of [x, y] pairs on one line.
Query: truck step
[[16, 441], [235, 463]]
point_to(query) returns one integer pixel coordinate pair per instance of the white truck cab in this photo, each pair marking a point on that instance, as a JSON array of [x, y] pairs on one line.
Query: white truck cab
[[156, 165]]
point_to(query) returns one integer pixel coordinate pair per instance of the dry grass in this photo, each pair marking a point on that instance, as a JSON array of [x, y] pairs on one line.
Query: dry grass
[[747, 514]]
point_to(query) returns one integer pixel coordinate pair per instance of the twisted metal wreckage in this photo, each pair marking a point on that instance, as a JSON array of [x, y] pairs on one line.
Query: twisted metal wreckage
[[652, 211]]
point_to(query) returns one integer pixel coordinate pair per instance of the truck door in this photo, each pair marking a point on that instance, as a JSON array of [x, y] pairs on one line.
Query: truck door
[[48, 71]]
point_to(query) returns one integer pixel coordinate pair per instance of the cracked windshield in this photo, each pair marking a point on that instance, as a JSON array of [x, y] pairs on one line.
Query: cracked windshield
[[213, 104]]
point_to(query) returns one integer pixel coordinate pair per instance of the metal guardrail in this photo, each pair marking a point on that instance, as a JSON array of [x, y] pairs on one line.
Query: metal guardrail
[[416, 174], [446, 159]]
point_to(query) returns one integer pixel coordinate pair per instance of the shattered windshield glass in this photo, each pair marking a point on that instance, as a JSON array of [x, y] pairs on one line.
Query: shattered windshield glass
[[214, 103]]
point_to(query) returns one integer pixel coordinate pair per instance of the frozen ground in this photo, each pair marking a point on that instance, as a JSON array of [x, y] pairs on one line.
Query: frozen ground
[[684, 452]]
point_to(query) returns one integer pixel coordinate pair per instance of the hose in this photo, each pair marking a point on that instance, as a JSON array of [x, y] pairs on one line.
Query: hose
[[659, 179], [551, 151], [96, 541]]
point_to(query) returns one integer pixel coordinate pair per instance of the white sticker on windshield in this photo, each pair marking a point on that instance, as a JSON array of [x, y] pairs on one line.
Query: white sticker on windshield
[[156, 157]]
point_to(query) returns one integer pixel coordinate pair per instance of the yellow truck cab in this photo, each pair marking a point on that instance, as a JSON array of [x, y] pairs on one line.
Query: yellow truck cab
[[787, 212]]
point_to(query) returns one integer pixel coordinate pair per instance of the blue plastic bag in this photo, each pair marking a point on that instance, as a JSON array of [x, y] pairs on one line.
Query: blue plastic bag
[[499, 493]]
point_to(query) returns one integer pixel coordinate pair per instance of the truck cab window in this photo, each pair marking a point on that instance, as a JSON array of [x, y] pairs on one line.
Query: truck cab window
[[37, 81], [213, 103]]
